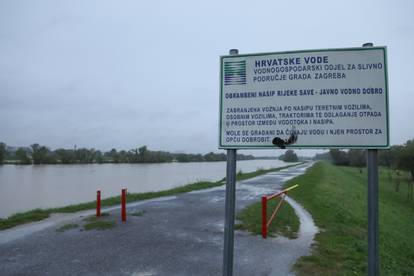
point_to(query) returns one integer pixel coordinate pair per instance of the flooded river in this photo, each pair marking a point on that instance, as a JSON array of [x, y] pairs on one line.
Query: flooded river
[[23, 188]]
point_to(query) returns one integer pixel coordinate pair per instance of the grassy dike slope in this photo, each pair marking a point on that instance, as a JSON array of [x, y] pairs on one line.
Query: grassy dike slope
[[337, 199]]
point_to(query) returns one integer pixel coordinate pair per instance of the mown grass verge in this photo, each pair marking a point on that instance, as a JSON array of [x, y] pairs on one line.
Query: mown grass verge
[[22, 218], [39, 214], [286, 222], [337, 199], [99, 225], [94, 223]]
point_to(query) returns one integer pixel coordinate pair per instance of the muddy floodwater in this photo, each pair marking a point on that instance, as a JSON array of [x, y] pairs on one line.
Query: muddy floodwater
[[23, 188]]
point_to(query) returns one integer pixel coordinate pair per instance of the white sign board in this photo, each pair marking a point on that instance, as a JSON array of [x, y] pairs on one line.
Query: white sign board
[[332, 98]]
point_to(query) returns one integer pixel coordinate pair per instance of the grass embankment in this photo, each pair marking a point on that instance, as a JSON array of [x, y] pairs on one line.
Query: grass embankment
[[39, 214], [337, 199]]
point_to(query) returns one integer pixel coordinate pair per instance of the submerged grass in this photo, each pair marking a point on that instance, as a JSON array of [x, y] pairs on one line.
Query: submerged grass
[[67, 227], [243, 176], [39, 214], [138, 213]]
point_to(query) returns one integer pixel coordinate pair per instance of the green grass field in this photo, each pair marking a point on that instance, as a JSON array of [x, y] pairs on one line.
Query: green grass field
[[337, 199]]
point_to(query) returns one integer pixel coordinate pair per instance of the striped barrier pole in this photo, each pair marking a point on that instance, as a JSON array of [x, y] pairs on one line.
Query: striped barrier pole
[[265, 199]]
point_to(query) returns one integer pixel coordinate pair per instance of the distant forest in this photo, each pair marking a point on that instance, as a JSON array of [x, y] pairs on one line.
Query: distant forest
[[38, 154]]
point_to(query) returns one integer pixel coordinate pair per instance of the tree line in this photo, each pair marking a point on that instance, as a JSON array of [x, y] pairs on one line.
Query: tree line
[[38, 154], [398, 157], [289, 156]]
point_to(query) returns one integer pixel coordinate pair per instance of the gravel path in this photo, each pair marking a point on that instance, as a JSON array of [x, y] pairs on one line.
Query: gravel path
[[177, 235]]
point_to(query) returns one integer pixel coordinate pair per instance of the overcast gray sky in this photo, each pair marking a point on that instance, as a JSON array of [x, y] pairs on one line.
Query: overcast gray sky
[[123, 74]]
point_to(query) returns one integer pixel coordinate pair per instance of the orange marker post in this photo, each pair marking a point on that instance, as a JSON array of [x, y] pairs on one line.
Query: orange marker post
[[264, 217], [98, 204], [123, 207]]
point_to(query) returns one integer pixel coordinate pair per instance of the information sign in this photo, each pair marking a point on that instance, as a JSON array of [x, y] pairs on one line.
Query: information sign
[[332, 98]]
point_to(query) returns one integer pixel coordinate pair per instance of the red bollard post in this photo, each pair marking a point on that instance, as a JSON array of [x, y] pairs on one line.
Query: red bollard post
[[98, 203], [264, 217], [123, 207]]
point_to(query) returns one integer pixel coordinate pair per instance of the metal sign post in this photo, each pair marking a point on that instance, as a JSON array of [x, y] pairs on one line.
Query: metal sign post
[[229, 213], [373, 225], [230, 206]]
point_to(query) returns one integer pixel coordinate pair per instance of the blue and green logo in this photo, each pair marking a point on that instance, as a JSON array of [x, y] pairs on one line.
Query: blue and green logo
[[234, 72]]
